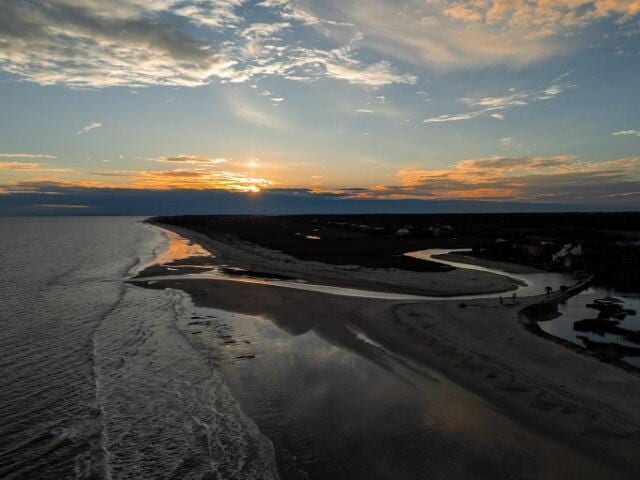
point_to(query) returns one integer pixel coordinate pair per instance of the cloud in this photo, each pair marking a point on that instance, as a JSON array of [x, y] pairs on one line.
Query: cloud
[[26, 155], [295, 11], [192, 172], [472, 33], [493, 106], [245, 110], [508, 142], [422, 33], [512, 100], [456, 117], [376, 75], [463, 13], [59, 205], [213, 14], [19, 166], [514, 163], [114, 173], [301, 63], [623, 133], [190, 159], [103, 44], [88, 128], [550, 17], [560, 178], [364, 110], [137, 43], [179, 178], [198, 179], [33, 167]]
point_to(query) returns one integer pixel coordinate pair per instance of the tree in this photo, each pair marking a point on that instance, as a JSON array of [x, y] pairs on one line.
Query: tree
[[548, 290]]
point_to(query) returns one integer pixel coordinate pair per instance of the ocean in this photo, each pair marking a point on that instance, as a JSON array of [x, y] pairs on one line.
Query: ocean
[[96, 379]]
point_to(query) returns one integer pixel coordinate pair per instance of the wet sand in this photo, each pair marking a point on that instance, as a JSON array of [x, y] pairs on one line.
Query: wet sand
[[531, 408]]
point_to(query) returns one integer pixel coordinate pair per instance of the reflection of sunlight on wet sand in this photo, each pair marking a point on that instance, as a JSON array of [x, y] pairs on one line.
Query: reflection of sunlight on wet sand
[[179, 248]]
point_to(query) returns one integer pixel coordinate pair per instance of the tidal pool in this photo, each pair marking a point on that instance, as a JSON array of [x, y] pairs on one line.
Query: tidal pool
[[575, 309]]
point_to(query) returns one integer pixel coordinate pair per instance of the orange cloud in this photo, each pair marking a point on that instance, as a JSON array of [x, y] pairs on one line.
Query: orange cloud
[[461, 12], [197, 179], [34, 167], [516, 178], [463, 33], [547, 16]]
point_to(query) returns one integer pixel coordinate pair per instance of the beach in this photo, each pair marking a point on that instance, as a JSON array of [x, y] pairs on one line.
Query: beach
[[551, 399]]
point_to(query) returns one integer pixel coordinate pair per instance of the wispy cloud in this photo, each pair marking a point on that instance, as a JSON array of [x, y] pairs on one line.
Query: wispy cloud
[[60, 205], [27, 155], [246, 110], [33, 167], [472, 33], [454, 117], [626, 133], [88, 128], [508, 141], [190, 159], [495, 106]]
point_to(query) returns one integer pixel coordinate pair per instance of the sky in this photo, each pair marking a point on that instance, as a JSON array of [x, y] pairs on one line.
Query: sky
[[527, 104]]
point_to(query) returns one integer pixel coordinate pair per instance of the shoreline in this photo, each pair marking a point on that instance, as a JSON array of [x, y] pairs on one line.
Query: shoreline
[[482, 347]]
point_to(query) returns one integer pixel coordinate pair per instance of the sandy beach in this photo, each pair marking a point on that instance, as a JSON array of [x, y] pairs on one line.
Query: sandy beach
[[563, 403]]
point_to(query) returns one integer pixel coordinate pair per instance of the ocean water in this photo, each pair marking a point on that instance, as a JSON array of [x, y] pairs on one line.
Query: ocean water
[[96, 378]]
